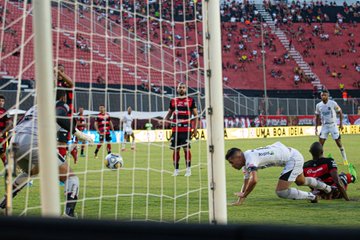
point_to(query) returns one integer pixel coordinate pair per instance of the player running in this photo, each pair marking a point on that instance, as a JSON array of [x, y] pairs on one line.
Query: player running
[[5, 126], [81, 125], [181, 109], [280, 155], [325, 169], [26, 155], [127, 128], [103, 124], [326, 110]]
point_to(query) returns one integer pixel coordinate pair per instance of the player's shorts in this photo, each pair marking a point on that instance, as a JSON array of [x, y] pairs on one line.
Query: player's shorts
[[107, 137], [329, 128], [128, 131], [180, 139], [293, 167], [2, 145], [62, 136], [26, 152]]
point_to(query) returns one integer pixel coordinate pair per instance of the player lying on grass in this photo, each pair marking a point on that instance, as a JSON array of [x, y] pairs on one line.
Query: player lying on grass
[[325, 169], [25, 147], [276, 154]]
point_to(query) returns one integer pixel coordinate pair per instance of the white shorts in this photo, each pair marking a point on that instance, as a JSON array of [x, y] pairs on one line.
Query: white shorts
[[293, 167], [128, 131], [329, 128]]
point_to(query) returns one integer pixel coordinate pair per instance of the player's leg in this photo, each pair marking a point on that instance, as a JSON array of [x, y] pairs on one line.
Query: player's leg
[[126, 137], [108, 140], [187, 152], [176, 153], [337, 137], [3, 150], [132, 141], [301, 180], [323, 134], [101, 140], [71, 182], [292, 170]]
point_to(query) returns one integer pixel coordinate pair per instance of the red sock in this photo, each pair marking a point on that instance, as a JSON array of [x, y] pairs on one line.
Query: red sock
[[109, 148], [62, 151], [176, 158], [187, 157]]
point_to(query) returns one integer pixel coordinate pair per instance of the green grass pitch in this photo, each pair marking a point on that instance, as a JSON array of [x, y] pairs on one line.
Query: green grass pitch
[[145, 190]]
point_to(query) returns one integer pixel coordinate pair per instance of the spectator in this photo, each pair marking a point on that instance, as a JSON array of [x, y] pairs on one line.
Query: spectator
[[345, 96], [341, 87]]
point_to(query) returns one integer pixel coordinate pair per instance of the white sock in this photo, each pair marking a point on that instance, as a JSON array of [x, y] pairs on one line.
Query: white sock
[[123, 146], [295, 194], [343, 154], [312, 182], [133, 143]]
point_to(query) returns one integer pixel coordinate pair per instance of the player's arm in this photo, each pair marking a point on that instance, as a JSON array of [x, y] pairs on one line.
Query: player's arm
[[335, 176], [112, 126], [69, 82], [249, 184], [317, 118], [341, 116], [96, 125], [196, 116]]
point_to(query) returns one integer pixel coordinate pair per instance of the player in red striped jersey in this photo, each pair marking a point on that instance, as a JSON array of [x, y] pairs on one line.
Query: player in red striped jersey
[[5, 126], [81, 125], [181, 108], [103, 124], [325, 169], [64, 82]]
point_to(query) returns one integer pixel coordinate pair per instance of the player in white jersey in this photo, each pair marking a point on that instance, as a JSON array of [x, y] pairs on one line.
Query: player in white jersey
[[127, 128], [326, 111], [280, 155]]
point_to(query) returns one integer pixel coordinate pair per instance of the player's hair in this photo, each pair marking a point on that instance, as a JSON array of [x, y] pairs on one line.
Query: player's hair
[[325, 91], [61, 65], [316, 149], [60, 93], [2, 96], [101, 105], [231, 152], [181, 84]]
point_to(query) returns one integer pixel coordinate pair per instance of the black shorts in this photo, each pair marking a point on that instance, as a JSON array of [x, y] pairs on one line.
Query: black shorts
[[106, 136], [62, 137], [180, 139]]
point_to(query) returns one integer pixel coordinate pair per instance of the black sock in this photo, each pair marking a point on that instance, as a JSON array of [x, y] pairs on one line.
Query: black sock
[[96, 151], [70, 205], [82, 151]]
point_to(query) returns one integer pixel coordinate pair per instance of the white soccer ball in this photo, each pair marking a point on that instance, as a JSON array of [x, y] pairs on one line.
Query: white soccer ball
[[113, 161]]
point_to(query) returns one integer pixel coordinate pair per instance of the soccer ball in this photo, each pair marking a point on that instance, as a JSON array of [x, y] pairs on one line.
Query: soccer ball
[[113, 161]]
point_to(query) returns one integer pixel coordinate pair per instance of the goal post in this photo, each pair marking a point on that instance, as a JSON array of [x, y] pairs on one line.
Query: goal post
[[49, 190], [214, 112]]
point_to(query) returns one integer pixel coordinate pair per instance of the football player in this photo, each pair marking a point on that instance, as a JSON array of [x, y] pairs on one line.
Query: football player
[[325, 169], [276, 154]]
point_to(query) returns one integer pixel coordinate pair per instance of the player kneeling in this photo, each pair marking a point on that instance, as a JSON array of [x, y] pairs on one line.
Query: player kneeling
[[26, 155], [276, 154], [325, 169]]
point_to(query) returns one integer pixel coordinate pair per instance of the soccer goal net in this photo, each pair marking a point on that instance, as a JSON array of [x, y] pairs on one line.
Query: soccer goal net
[[120, 64]]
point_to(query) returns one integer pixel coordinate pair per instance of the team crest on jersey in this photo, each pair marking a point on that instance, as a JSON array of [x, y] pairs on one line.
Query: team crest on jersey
[[329, 108]]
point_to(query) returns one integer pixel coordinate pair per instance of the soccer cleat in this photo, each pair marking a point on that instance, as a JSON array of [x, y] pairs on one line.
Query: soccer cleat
[[73, 216], [82, 155], [188, 172], [176, 173], [352, 171], [96, 156]]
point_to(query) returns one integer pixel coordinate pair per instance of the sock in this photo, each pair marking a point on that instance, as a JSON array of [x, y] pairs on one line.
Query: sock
[[72, 192], [313, 183], [18, 184], [176, 158], [296, 194], [343, 154], [109, 148], [187, 157], [82, 150], [133, 142], [97, 149], [123, 146], [62, 151]]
